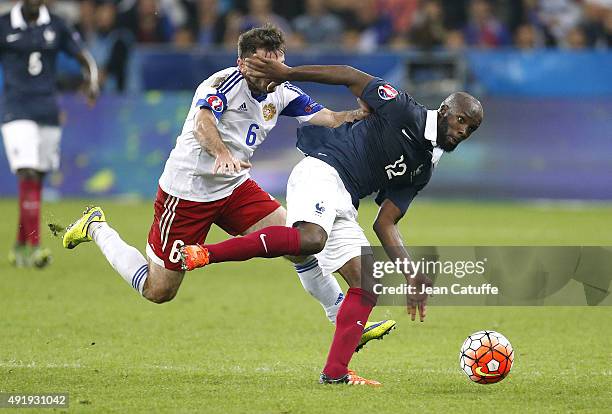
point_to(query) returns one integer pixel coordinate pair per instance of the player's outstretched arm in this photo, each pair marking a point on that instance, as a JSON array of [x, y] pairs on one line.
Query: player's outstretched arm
[[277, 72], [333, 119], [206, 132], [90, 71], [385, 227]]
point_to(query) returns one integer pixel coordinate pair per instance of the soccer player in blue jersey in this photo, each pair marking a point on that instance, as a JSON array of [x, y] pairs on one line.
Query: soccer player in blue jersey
[[392, 153], [30, 40]]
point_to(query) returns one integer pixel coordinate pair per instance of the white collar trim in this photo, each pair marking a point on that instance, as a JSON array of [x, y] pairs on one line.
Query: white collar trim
[[431, 134], [18, 21]]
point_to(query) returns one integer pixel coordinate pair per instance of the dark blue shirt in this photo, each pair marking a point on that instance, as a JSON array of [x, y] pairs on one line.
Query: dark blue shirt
[[28, 57], [387, 152]]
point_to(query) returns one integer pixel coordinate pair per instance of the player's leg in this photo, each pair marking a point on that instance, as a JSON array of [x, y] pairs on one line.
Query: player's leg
[[323, 287], [162, 284], [28, 231], [127, 261], [344, 253], [28, 159], [49, 160], [350, 324], [148, 278], [159, 276]]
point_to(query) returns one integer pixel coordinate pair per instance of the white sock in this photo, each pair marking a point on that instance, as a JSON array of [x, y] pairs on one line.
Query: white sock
[[125, 259], [324, 288]]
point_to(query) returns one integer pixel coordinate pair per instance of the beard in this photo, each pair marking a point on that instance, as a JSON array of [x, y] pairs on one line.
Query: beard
[[443, 140]]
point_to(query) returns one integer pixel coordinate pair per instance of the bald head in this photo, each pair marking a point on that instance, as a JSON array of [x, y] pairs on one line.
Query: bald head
[[459, 115], [464, 102]]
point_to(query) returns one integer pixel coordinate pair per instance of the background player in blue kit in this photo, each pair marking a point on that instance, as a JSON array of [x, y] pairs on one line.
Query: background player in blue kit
[[30, 40], [392, 153]]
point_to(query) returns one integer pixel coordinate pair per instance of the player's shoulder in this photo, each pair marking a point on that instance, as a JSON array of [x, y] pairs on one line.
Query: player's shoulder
[[289, 87], [218, 79], [388, 91]]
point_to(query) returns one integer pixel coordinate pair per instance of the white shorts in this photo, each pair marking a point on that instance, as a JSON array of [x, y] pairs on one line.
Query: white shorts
[[30, 145], [316, 194]]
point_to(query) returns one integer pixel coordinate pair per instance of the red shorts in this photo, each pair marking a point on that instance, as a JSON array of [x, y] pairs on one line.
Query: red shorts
[[177, 222]]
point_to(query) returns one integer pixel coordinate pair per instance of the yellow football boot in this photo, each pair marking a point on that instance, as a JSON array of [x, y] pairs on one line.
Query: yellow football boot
[[76, 233], [375, 330]]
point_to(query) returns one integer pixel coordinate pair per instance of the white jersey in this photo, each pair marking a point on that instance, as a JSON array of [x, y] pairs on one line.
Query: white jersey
[[243, 121]]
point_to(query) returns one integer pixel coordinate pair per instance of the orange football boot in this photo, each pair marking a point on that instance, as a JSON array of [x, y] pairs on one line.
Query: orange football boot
[[351, 378], [193, 256]]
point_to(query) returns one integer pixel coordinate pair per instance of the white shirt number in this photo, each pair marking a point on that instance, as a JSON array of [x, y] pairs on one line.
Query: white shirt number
[[35, 65], [397, 168]]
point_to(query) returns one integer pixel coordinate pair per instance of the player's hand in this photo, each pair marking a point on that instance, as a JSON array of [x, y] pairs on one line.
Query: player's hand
[[364, 106], [359, 114], [226, 163], [418, 301], [265, 68]]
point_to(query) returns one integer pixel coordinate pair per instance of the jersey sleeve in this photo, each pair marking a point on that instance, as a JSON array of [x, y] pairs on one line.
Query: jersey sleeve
[[392, 103], [298, 105], [401, 197], [216, 95], [70, 39]]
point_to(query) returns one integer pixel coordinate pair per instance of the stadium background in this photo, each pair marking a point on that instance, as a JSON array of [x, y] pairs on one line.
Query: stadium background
[[557, 85], [244, 337]]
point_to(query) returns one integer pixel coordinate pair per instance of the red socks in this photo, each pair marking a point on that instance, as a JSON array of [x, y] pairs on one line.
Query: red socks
[[352, 317], [29, 212], [273, 241]]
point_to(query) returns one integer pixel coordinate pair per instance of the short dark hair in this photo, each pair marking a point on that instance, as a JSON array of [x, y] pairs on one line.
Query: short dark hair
[[268, 37]]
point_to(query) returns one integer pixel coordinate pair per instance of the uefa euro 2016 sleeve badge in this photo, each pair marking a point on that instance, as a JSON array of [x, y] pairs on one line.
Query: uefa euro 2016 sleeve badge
[[269, 110]]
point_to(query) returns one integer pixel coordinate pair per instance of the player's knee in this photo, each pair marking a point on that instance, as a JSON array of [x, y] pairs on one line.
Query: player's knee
[[312, 238], [159, 294]]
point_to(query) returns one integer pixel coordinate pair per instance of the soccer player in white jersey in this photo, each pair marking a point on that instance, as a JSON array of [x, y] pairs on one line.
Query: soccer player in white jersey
[[206, 180]]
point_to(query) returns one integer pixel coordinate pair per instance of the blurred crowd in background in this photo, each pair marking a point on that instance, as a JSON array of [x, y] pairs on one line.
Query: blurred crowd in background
[[112, 27], [356, 26]]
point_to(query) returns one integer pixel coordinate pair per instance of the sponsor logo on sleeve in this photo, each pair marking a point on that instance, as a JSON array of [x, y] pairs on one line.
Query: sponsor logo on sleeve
[[387, 92], [310, 107], [216, 103]]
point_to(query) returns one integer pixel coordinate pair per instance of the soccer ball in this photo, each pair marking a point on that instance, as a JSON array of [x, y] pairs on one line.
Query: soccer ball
[[486, 357]]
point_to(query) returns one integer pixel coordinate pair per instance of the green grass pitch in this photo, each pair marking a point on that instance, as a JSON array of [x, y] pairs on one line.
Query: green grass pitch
[[246, 338]]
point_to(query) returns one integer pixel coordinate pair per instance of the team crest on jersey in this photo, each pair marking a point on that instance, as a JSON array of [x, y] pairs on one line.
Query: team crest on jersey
[[216, 103], [387, 92], [49, 35], [269, 110]]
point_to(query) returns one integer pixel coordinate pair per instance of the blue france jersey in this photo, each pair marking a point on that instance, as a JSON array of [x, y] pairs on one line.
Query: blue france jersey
[[28, 59], [388, 152]]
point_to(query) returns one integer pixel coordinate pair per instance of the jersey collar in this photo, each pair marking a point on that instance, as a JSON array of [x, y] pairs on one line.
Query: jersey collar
[[259, 98], [431, 134], [18, 21]]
